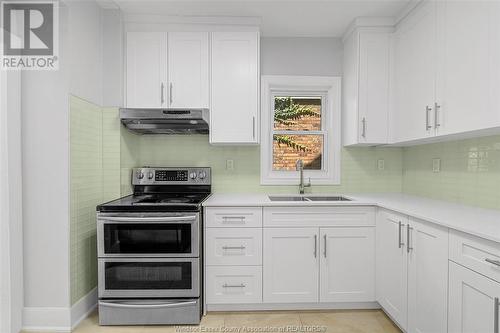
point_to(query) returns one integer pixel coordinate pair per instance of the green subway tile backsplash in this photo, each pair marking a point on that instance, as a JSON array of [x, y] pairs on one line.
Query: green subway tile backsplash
[[470, 171]]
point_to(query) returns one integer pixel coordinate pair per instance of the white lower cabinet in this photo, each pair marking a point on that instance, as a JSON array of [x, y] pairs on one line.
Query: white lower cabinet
[[234, 284], [330, 264], [473, 301], [291, 265], [347, 265], [412, 272], [233, 246]]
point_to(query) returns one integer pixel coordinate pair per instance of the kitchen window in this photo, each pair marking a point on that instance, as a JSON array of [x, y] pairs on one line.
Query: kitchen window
[[300, 121]]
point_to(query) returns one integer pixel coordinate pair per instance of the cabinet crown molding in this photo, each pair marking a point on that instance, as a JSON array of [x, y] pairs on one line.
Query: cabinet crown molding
[[379, 23]]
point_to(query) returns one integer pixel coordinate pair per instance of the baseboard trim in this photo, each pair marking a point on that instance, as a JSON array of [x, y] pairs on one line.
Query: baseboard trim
[[59, 319], [83, 308], [294, 306]]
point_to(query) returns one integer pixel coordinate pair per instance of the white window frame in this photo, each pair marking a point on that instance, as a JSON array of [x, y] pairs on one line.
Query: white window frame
[[329, 88]]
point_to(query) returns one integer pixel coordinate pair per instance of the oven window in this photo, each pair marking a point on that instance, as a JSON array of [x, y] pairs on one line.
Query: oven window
[[148, 275], [147, 238]]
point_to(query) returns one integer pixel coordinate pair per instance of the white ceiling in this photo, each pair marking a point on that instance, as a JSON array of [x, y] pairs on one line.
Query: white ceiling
[[280, 18]]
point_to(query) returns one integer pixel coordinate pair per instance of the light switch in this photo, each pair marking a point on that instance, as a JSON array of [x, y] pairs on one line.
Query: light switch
[[436, 165], [230, 165], [381, 164]]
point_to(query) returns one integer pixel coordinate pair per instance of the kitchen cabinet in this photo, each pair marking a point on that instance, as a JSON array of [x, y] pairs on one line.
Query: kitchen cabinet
[[473, 301], [392, 265], [347, 265], [167, 70], [234, 110], [291, 265], [188, 70], [412, 272], [366, 87], [146, 66], [415, 75]]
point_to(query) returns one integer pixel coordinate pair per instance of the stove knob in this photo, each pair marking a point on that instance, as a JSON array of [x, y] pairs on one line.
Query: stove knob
[[150, 175], [139, 175], [202, 175], [193, 175]]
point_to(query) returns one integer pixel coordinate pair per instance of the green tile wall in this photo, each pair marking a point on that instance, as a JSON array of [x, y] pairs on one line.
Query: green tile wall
[[359, 165], [470, 171], [94, 178]]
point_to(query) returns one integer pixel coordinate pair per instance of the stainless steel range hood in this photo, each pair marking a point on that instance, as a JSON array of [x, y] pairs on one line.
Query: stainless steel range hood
[[165, 121]]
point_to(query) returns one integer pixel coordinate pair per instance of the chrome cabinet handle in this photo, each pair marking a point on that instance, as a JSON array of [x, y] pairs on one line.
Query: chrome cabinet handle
[[315, 246], [436, 115], [233, 218], [162, 95], [363, 133], [234, 247], [225, 285], [253, 127], [494, 262], [408, 242], [400, 242], [170, 94], [428, 109], [495, 320], [324, 248]]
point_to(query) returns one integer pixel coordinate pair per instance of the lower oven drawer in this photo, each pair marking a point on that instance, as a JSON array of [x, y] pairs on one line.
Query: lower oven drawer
[[148, 277], [150, 312]]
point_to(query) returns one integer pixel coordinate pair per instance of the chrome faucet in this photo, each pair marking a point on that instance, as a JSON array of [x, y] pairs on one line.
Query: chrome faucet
[[299, 166]]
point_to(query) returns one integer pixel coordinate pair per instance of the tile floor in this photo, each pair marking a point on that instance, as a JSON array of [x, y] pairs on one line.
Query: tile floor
[[338, 321]]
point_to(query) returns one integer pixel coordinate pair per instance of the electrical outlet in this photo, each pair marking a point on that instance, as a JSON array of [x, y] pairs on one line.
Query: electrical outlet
[[436, 165], [230, 165], [381, 164]]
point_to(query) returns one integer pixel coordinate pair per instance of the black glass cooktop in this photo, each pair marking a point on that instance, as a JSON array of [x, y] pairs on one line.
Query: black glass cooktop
[[156, 202]]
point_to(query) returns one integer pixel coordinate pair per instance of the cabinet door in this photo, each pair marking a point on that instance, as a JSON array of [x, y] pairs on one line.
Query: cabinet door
[[427, 277], [373, 87], [414, 77], [188, 69], [234, 87], [291, 265], [391, 263], [146, 70], [471, 305], [347, 266], [469, 70]]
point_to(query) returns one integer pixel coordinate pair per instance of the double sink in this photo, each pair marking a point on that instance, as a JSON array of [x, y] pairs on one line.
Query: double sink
[[307, 198]]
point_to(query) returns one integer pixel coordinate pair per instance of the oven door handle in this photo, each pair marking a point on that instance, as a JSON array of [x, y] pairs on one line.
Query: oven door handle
[[147, 306], [148, 219]]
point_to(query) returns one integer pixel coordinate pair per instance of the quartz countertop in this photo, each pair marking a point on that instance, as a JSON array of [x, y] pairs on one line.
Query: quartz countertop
[[481, 222]]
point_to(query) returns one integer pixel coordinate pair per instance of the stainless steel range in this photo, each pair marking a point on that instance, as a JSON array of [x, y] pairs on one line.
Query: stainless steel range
[[149, 244]]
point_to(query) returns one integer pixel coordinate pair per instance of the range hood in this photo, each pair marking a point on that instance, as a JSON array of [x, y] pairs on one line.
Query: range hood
[[165, 121]]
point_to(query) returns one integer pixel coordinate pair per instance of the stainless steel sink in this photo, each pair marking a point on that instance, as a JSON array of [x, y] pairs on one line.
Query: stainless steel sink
[[287, 198], [331, 198], [308, 198]]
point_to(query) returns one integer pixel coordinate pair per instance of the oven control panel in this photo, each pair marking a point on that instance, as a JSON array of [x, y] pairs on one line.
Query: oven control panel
[[171, 176]]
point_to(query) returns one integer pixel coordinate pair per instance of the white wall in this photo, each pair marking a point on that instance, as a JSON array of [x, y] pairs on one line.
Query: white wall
[[112, 66], [45, 145], [301, 56]]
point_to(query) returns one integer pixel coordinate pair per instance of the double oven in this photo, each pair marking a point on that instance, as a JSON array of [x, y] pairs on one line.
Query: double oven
[[149, 266]]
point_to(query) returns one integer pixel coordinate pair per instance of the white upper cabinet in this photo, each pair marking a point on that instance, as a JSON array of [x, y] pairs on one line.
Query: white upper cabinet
[[234, 111], [188, 74], [146, 70], [366, 87], [468, 80], [414, 75]]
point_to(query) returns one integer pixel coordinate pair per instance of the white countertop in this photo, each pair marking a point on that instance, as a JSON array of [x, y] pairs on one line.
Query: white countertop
[[477, 221]]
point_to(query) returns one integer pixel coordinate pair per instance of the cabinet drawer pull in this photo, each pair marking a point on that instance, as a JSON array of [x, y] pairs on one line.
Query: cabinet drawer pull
[[229, 219], [494, 262], [428, 109], [408, 239], [400, 242], [363, 133], [225, 285], [437, 107], [234, 247]]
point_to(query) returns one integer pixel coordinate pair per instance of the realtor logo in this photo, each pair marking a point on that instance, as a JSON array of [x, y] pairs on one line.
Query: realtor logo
[[29, 35]]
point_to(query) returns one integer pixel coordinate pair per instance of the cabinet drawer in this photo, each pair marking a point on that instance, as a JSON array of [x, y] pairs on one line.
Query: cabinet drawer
[[233, 246], [234, 217], [478, 254], [318, 216], [234, 284]]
